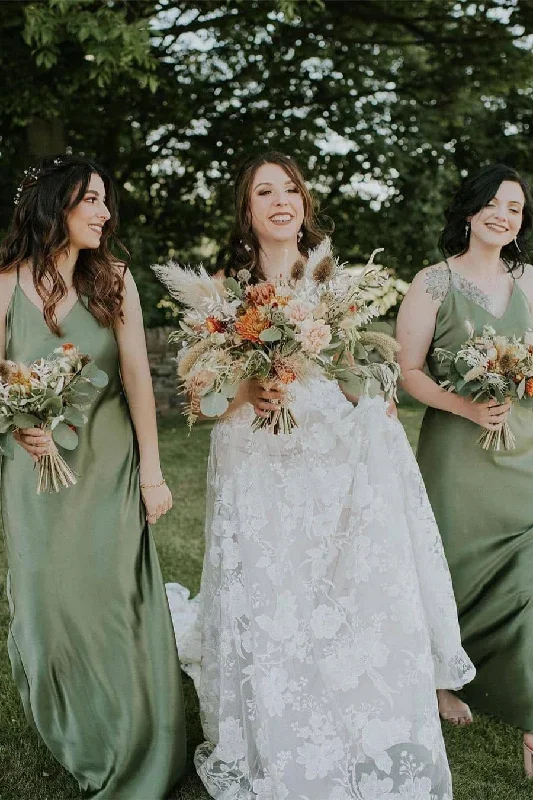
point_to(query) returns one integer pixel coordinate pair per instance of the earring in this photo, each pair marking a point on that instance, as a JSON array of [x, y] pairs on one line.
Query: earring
[[246, 246], [299, 236], [467, 230], [516, 245]]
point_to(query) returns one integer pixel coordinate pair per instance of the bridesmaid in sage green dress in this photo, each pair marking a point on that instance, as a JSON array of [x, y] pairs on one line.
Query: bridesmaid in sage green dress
[[481, 498], [91, 641]]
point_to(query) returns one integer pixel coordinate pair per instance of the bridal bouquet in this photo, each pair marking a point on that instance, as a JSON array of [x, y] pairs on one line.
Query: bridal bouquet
[[489, 367], [278, 332], [51, 393]]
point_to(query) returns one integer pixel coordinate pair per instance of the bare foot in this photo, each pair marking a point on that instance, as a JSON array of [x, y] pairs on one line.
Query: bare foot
[[452, 709]]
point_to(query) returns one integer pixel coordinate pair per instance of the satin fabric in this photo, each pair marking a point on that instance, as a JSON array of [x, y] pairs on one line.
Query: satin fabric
[[91, 641], [483, 503]]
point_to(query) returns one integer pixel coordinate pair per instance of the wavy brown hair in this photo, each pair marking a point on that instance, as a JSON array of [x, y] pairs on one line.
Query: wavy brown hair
[[242, 250], [38, 236]]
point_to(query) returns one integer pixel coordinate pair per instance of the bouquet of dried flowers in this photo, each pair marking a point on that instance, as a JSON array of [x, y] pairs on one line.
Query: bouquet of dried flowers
[[51, 393], [491, 367], [279, 332]]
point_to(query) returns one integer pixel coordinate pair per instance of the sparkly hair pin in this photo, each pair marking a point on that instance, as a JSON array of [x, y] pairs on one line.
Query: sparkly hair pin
[[31, 176]]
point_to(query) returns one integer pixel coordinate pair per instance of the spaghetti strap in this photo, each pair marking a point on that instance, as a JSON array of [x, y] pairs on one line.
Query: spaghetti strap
[[18, 274]]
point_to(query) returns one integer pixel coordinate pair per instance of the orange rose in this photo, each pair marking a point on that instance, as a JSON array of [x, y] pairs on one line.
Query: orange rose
[[68, 346], [529, 387], [250, 325], [260, 293]]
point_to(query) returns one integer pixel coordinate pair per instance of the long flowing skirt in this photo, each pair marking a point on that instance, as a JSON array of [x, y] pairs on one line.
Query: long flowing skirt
[[326, 617]]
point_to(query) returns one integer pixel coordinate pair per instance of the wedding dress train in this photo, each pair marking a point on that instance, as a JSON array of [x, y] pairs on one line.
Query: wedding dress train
[[326, 617]]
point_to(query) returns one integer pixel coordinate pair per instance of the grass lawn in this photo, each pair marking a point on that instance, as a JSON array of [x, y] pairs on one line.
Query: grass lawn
[[485, 758]]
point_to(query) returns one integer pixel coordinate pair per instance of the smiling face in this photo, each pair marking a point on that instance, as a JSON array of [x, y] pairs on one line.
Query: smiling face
[[86, 220], [276, 205], [500, 220]]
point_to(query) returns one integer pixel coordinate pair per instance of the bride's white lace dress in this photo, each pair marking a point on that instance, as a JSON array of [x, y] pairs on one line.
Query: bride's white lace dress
[[326, 617]]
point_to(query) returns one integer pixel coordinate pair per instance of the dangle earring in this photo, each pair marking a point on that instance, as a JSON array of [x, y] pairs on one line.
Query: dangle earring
[[467, 230], [299, 235], [246, 246]]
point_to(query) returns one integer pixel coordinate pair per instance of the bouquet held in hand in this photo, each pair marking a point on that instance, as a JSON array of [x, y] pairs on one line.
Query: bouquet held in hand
[[492, 367], [51, 393], [278, 332]]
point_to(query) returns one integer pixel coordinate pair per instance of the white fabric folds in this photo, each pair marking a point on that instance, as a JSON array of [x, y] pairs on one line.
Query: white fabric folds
[[326, 617]]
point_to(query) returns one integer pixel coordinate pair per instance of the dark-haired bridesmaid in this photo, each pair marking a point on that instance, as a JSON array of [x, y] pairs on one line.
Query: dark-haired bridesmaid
[[481, 498], [90, 641]]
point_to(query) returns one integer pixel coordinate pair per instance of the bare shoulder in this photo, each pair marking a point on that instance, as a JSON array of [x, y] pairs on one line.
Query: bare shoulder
[[8, 281], [433, 281]]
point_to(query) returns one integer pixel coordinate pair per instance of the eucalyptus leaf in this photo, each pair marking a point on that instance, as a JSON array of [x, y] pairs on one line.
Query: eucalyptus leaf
[[233, 286], [53, 405], [74, 416], [65, 437], [99, 380], [89, 370], [213, 404], [21, 420], [229, 390], [272, 334]]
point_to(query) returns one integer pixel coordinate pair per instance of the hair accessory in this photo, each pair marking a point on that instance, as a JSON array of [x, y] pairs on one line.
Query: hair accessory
[[31, 176]]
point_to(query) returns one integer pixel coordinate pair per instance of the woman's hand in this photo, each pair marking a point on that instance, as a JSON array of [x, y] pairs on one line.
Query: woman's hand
[[490, 416], [35, 441], [157, 500], [263, 400]]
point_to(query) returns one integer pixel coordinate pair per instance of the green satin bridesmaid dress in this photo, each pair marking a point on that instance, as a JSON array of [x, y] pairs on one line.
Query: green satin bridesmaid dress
[[91, 641], [483, 502]]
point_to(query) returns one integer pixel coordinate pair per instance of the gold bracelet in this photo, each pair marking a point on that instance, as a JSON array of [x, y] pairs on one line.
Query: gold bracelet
[[153, 485]]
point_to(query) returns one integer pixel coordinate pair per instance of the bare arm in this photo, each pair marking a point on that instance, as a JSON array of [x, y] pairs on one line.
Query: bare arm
[[137, 381], [414, 331]]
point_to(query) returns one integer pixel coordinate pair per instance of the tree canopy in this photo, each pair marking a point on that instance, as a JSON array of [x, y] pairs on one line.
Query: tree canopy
[[385, 104]]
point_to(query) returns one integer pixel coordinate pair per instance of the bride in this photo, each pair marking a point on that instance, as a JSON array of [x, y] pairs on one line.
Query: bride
[[326, 618]]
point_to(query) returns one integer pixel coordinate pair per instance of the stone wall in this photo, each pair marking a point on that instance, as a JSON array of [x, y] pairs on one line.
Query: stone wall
[[163, 369]]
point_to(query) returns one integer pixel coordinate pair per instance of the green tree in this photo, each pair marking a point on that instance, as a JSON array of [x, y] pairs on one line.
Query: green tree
[[385, 103]]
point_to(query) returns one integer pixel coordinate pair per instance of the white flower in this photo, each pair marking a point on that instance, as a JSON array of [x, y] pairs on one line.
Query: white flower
[[492, 353], [528, 338], [231, 746], [298, 310], [319, 759], [273, 686], [283, 625], [231, 557], [326, 621], [475, 372], [372, 788], [378, 735], [416, 789], [314, 335]]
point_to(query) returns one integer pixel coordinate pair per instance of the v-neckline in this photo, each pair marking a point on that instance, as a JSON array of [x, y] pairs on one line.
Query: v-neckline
[[40, 311], [478, 305]]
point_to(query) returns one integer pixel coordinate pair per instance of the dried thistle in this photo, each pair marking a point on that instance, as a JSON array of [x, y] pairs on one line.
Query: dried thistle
[[324, 269], [298, 269], [386, 346]]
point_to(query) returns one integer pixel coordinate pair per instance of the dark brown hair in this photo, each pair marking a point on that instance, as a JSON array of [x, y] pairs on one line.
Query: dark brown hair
[[475, 193], [38, 234], [242, 249]]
